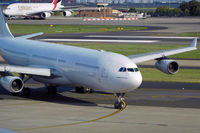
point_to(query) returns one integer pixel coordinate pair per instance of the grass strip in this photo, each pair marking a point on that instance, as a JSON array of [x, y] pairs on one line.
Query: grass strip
[[183, 76], [191, 34], [131, 49], [28, 28]]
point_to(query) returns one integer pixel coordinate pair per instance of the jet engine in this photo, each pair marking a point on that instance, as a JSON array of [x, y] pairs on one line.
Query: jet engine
[[167, 66], [45, 15], [12, 84], [66, 13]]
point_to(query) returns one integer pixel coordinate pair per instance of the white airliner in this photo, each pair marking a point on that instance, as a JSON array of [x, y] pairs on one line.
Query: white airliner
[[32, 10], [61, 65]]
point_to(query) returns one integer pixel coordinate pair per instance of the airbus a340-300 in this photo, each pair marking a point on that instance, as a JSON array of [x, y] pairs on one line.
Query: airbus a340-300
[[61, 65]]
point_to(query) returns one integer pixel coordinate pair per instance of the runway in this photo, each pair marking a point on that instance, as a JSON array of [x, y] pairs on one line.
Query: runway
[[115, 37], [164, 25]]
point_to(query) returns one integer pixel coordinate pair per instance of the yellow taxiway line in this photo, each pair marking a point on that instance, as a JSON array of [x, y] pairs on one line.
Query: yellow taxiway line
[[74, 123]]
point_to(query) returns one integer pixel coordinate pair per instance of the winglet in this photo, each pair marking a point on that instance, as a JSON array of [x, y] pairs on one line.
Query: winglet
[[194, 43]]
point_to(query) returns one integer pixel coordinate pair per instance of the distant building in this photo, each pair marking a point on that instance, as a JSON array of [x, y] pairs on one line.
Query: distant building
[[98, 12]]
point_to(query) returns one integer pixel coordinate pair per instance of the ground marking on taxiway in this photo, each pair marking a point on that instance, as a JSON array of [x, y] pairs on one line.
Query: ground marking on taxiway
[[100, 40], [75, 123], [158, 37]]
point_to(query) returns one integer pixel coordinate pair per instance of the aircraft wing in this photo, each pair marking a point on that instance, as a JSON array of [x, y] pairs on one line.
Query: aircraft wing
[[38, 12], [25, 70], [159, 54], [70, 7], [30, 35]]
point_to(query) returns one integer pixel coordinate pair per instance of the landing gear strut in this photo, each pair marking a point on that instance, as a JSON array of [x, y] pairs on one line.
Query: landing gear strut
[[119, 103]]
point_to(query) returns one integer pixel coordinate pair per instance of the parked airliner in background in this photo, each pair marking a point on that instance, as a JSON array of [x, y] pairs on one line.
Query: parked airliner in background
[[36, 10], [61, 65]]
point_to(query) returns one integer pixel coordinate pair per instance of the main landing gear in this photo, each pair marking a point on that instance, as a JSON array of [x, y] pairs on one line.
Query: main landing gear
[[83, 90], [119, 103]]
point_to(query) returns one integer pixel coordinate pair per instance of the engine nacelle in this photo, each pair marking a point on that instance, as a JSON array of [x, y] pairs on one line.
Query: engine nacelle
[[12, 84], [45, 15], [167, 66], [66, 13]]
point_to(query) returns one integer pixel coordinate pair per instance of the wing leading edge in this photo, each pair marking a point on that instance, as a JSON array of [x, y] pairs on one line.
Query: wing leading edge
[[159, 54], [30, 35]]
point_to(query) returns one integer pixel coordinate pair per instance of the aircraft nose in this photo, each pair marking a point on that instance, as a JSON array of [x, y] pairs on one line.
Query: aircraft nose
[[5, 11], [136, 80]]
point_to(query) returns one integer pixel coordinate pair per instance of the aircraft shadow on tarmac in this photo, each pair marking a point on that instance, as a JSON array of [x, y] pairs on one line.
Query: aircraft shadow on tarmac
[[136, 98], [41, 95]]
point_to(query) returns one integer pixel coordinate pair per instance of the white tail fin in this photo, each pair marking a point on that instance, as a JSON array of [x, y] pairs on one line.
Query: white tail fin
[[4, 30], [56, 2]]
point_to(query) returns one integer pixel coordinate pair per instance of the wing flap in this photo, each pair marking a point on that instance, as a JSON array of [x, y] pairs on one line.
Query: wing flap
[[26, 70], [159, 54]]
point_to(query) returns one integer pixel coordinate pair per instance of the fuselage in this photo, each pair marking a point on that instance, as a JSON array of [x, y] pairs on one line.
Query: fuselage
[[25, 9], [74, 66]]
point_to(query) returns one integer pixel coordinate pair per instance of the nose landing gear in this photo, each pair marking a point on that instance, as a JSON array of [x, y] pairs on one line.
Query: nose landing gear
[[119, 103]]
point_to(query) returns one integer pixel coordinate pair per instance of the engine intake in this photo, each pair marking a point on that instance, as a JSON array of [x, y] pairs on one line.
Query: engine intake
[[12, 84], [66, 13], [45, 15], [167, 66]]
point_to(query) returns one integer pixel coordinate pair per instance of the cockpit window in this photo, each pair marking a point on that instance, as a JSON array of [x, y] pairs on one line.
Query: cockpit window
[[121, 69], [130, 69], [136, 69], [124, 69]]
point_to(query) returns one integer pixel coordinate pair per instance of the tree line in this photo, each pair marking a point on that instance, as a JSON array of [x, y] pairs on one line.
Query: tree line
[[191, 8]]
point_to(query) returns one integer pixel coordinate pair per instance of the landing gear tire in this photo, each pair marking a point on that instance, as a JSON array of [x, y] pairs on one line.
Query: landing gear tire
[[52, 89], [83, 90], [88, 90], [119, 103]]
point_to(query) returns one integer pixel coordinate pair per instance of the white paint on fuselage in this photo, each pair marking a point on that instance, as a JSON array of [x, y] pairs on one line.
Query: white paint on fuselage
[[73, 66], [24, 9]]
